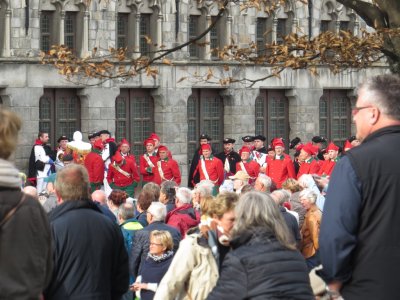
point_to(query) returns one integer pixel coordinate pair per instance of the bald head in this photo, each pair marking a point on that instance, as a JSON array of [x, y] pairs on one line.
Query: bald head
[[99, 196], [30, 190]]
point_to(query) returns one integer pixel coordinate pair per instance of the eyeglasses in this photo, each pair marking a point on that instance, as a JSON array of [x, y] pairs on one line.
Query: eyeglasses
[[155, 244], [356, 109]]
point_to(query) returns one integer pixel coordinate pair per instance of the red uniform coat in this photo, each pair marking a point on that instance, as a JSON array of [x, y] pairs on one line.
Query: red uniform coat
[[327, 167], [170, 169], [280, 169], [145, 168], [308, 167], [252, 168], [128, 165], [215, 170], [95, 166]]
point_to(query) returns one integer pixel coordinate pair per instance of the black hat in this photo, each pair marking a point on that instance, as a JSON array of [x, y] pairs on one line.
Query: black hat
[[318, 139], [260, 137], [294, 142], [62, 138], [104, 131], [248, 139], [204, 136], [352, 138], [323, 151], [92, 135], [229, 141]]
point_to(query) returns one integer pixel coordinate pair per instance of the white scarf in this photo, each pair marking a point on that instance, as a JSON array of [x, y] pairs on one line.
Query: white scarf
[[243, 167], [160, 170], [9, 175], [227, 167], [146, 157], [203, 167]]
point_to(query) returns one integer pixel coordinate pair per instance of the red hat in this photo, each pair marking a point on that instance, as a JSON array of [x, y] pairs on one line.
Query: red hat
[[125, 142], [332, 146], [117, 157], [347, 145], [244, 149], [299, 147], [277, 142], [98, 144], [206, 147], [149, 141], [162, 148], [154, 137], [310, 149]]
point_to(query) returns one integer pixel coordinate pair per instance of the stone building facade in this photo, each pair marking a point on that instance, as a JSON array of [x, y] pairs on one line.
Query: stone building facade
[[296, 104]]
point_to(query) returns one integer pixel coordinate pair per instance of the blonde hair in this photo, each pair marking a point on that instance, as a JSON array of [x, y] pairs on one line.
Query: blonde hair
[[10, 124], [292, 185], [206, 205], [164, 237], [223, 203], [255, 210]]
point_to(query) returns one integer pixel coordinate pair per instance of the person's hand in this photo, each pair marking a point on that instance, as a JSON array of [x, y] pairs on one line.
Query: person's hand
[[138, 286], [322, 181]]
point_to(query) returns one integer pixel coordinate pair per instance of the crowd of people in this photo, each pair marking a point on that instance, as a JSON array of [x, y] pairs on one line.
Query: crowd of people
[[252, 224]]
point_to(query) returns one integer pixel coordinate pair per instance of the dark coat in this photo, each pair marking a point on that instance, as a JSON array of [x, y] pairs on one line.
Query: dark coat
[[233, 159], [90, 260], [259, 267], [141, 244], [359, 237], [25, 247]]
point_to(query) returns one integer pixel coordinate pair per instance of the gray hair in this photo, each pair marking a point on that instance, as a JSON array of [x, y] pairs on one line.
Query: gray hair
[[280, 196], [184, 195], [383, 91], [265, 181], [126, 211], [309, 194], [158, 211], [258, 210], [72, 183], [204, 188], [99, 196]]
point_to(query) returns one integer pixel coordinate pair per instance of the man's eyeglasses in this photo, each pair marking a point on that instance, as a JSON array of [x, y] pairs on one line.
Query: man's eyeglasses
[[356, 109]]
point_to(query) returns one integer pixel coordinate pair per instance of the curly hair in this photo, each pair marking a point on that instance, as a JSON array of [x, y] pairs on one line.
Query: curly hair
[[117, 197], [9, 127]]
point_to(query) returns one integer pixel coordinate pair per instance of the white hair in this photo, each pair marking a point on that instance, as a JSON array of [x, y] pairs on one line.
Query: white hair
[[309, 194], [158, 211], [265, 181], [204, 188], [280, 196], [184, 195]]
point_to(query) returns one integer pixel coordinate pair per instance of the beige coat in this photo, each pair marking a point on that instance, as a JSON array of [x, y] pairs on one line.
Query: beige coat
[[192, 274]]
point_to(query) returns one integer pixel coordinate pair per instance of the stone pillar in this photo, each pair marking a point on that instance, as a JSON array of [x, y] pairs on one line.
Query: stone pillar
[[295, 25], [85, 35], [7, 34], [61, 28], [228, 30], [274, 27], [207, 40], [136, 42], [97, 109], [337, 26], [159, 31], [356, 30]]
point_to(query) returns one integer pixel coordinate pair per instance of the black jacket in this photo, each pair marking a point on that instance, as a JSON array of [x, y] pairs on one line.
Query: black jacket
[[233, 158], [90, 260], [141, 244], [359, 237], [25, 247], [259, 267]]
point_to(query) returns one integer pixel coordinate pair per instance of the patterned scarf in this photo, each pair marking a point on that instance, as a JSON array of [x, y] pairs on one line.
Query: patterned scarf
[[161, 257]]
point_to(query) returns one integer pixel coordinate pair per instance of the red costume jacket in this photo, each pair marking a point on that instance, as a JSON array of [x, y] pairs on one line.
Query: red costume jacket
[[129, 166], [147, 171], [327, 167], [280, 169], [215, 170], [252, 168], [95, 166], [170, 169], [308, 167]]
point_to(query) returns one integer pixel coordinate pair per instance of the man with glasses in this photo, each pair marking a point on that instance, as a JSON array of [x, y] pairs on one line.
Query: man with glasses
[[359, 238]]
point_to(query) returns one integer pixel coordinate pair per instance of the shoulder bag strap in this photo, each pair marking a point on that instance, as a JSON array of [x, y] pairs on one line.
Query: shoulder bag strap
[[12, 211]]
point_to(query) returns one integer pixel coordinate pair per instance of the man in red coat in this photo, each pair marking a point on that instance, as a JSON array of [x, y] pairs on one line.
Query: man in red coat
[[210, 167], [281, 166], [95, 166], [123, 172], [328, 165], [247, 165], [148, 161], [309, 163], [184, 216], [166, 169]]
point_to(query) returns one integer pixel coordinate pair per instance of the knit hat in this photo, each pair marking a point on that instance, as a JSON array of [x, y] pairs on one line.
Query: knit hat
[[154, 136], [244, 149], [310, 149], [206, 147], [149, 141], [332, 146], [125, 142]]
